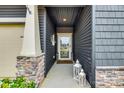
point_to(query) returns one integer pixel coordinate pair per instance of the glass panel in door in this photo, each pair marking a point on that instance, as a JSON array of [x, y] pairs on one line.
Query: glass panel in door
[[64, 47]]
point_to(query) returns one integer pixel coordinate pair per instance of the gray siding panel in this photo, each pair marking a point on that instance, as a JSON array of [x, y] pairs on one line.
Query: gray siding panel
[[83, 41], [47, 29], [41, 13], [50, 49], [109, 36], [12, 11]]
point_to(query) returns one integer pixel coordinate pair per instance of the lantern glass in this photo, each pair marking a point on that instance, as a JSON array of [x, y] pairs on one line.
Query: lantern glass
[[82, 79], [76, 70]]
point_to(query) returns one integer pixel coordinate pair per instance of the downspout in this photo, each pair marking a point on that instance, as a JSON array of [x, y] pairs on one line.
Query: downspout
[[93, 47], [45, 23]]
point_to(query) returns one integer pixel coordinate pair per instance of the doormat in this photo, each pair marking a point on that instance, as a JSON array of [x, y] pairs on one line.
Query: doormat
[[64, 62]]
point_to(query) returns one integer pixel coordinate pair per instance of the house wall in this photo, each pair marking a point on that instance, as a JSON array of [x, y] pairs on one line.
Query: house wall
[[11, 34], [83, 41], [50, 49], [10, 47], [47, 29], [109, 45], [12, 11]]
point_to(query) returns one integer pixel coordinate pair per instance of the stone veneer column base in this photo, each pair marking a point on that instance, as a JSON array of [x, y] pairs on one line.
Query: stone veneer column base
[[110, 77], [31, 68]]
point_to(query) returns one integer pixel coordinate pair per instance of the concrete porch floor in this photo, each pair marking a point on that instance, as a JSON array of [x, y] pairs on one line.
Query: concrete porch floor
[[61, 76]]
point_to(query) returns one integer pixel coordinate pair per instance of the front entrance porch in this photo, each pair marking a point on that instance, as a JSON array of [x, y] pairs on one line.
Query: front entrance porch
[[28, 36], [66, 35], [61, 76]]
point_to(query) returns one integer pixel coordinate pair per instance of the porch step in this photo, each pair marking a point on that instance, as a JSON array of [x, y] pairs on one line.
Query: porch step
[[64, 62]]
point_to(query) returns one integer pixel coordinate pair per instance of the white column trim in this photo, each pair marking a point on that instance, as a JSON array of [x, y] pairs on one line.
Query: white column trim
[[31, 42]]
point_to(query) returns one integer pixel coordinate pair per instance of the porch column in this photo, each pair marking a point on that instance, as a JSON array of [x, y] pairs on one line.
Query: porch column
[[31, 42], [30, 63]]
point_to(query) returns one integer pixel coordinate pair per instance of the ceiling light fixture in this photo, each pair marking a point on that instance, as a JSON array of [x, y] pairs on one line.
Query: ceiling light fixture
[[64, 19]]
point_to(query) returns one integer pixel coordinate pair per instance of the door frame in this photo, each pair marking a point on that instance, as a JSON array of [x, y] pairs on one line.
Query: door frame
[[58, 44]]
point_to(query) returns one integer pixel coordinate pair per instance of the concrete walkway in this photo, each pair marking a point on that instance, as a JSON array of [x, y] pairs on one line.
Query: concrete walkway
[[60, 76]]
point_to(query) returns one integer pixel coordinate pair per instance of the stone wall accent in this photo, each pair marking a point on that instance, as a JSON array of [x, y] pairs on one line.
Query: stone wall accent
[[110, 77], [31, 67]]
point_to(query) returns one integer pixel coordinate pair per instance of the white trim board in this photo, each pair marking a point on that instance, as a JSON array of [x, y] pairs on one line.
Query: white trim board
[[109, 67], [12, 20]]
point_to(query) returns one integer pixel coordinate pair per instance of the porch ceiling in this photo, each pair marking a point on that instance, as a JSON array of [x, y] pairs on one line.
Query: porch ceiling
[[59, 14]]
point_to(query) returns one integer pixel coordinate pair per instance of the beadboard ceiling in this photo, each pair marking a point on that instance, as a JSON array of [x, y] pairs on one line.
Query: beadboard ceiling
[[57, 15]]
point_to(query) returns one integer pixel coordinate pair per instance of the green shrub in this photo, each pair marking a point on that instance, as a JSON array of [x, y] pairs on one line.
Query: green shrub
[[19, 82]]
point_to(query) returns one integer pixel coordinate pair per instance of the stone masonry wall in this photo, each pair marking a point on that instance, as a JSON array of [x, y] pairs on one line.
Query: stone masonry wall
[[110, 77], [31, 67]]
